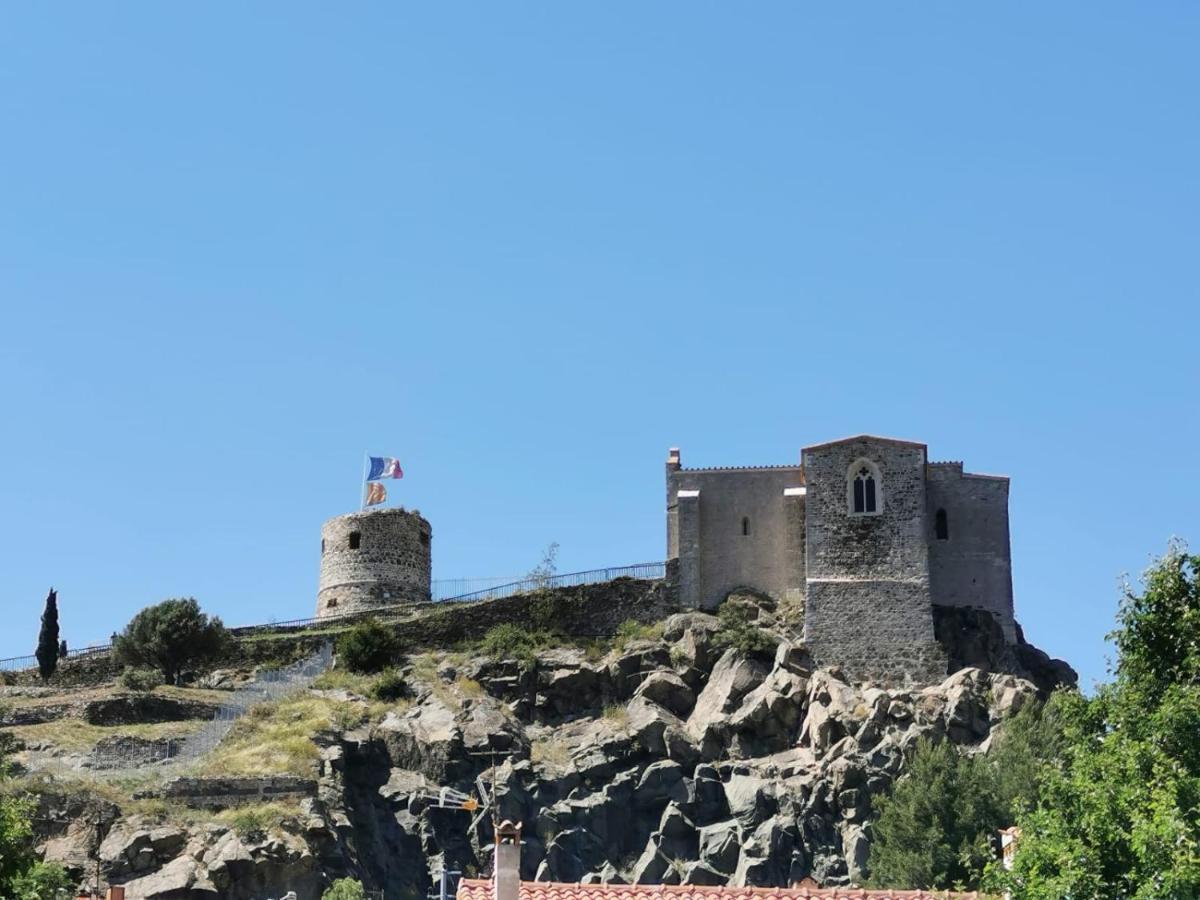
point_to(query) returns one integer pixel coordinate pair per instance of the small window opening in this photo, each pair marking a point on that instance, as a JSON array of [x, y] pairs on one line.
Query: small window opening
[[322, 546], [332, 604], [864, 491], [355, 538], [941, 527], [745, 526]]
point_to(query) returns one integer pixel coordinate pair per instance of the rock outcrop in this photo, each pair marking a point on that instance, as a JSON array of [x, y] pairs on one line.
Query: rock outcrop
[[673, 761]]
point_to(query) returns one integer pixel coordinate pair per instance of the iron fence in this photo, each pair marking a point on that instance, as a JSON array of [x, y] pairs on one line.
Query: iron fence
[[443, 593]]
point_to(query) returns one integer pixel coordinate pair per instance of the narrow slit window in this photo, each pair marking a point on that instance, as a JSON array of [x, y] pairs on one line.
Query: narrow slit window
[[745, 526], [941, 526], [355, 539]]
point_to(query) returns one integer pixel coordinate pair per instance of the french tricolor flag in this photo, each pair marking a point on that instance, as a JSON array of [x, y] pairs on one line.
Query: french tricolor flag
[[385, 467]]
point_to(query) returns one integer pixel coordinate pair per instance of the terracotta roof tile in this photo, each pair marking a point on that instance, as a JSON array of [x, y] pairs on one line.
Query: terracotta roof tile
[[481, 889]]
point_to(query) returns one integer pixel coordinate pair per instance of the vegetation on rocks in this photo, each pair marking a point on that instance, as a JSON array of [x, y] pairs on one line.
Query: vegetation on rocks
[[369, 647], [140, 679], [390, 686], [739, 630], [937, 827], [345, 889], [22, 875], [509, 641], [171, 636]]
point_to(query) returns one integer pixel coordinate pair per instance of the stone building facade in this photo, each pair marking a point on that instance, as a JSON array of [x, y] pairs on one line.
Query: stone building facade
[[375, 558], [865, 534]]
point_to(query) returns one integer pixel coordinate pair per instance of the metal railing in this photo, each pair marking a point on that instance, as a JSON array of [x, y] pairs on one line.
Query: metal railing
[[653, 571], [18, 663], [646, 571]]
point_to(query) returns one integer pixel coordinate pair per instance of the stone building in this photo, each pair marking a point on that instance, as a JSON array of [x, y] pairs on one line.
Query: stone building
[[865, 534], [376, 558]]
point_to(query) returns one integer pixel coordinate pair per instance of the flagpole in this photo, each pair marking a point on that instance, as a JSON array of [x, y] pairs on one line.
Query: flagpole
[[362, 486]]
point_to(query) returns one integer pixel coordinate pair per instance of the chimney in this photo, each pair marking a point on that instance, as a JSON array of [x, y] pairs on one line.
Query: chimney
[[508, 861], [673, 462]]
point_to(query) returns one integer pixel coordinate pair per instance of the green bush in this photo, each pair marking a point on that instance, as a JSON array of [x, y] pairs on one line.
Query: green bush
[[140, 679], [738, 630], [369, 647], [509, 641], [390, 687], [345, 889], [171, 636]]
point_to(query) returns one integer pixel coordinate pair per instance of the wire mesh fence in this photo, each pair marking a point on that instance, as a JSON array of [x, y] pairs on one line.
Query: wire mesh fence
[[124, 754]]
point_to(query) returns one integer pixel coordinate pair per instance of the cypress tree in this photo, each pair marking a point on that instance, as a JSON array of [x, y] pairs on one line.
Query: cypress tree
[[47, 649]]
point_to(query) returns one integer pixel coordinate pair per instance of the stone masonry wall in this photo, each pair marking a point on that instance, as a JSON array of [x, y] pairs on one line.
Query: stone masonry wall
[[708, 532], [972, 567], [390, 565], [868, 604]]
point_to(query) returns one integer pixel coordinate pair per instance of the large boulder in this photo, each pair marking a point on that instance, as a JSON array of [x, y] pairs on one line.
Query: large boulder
[[769, 715], [425, 739], [733, 677], [834, 710], [720, 845], [669, 691]]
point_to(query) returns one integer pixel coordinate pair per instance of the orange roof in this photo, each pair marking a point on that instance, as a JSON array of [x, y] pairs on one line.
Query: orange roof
[[481, 889]]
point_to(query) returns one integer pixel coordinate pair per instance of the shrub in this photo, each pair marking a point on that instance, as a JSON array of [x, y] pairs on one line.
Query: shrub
[[140, 679], [390, 687], [509, 641], [633, 630], [369, 647], [738, 630], [345, 889], [170, 636]]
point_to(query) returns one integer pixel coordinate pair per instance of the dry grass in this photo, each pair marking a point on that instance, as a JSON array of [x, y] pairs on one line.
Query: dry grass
[[344, 680], [276, 738], [550, 751], [77, 736], [258, 819], [618, 715]]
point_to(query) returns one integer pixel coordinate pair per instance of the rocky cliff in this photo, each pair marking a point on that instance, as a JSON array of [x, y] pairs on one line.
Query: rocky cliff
[[666, 759]]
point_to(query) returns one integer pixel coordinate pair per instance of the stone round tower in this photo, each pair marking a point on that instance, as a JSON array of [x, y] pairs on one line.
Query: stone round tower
[[372, 559]]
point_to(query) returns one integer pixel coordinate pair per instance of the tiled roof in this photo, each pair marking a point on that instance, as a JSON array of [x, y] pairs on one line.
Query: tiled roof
[[481, 889]]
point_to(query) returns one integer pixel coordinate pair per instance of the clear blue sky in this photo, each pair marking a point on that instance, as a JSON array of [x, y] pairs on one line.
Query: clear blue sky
[[528, 247]]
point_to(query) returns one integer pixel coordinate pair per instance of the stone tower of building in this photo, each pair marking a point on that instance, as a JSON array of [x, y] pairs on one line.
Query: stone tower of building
[[372, 559]]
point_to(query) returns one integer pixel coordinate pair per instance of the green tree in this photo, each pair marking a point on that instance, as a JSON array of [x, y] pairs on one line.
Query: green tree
[[171, 636], [936, 826], [47, 646], [1120, 817], [934, 829], [345, 889], [369, 647], [22, 876]]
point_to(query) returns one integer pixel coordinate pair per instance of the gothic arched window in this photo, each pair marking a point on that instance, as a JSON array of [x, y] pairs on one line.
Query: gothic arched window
[[941, 527], [864, 489]]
